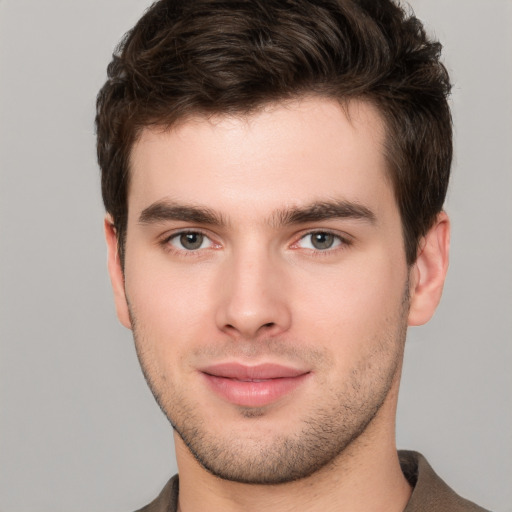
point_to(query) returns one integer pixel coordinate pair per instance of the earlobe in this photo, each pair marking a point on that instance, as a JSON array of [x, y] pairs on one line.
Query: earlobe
[[116, 273], [429, 272]]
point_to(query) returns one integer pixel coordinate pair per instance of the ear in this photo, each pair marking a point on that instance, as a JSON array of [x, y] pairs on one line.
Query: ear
[[429, 271], [116, 273]]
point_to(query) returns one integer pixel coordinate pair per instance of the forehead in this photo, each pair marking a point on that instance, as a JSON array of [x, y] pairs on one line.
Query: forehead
[[285, 154]]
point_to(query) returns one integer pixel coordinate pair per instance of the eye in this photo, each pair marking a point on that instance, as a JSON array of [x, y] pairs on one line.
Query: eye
[[190, 241], [320, 241]]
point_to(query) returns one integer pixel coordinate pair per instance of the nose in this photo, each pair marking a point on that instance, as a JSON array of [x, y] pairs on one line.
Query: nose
[[252, 300]]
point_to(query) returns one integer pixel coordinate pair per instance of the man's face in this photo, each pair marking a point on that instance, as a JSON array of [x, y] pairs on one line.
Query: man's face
[[266, 284]]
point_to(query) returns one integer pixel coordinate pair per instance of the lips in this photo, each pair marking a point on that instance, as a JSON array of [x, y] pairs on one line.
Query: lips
[[253, 386]]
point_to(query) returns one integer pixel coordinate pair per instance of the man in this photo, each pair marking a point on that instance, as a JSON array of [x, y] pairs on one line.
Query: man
[[274, 174]]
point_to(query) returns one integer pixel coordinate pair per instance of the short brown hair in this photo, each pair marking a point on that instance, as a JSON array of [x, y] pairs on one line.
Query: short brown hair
[[188, 57]]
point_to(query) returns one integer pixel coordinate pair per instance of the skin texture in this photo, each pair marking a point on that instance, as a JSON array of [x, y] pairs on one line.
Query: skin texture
[[258, 279]]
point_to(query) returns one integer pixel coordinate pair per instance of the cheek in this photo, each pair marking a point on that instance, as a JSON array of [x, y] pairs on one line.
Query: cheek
[[170, 308], [354, 305]]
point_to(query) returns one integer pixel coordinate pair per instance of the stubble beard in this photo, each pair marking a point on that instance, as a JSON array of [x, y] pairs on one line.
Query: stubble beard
[[325, 432]]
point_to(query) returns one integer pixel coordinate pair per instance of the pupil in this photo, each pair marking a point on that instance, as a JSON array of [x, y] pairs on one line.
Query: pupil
[[322, 240], [191, 240]]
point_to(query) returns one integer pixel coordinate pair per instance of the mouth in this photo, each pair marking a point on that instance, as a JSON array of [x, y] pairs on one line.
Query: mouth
[[253, 386]]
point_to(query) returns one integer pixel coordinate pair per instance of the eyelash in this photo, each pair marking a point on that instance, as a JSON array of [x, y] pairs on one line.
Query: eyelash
[[166, 242], [344, 242]]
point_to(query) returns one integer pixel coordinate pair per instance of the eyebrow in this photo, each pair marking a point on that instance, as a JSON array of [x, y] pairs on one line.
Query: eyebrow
[[166, 210], [324, 210]]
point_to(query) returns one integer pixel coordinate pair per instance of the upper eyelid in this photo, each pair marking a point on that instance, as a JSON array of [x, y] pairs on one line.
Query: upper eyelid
[[345, 237], [184, 231]]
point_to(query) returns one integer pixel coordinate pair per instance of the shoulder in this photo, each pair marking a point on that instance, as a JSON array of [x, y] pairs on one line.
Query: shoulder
[[167, 500], [430, 492]]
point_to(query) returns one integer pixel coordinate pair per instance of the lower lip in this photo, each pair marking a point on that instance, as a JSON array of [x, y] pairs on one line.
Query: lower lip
[[254, 393]]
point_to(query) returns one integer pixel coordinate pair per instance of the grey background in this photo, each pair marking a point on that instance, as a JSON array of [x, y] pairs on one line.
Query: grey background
[[79, 431]]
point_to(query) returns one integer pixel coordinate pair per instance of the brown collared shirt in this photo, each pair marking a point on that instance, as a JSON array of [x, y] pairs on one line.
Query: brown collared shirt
[[430, 493]]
